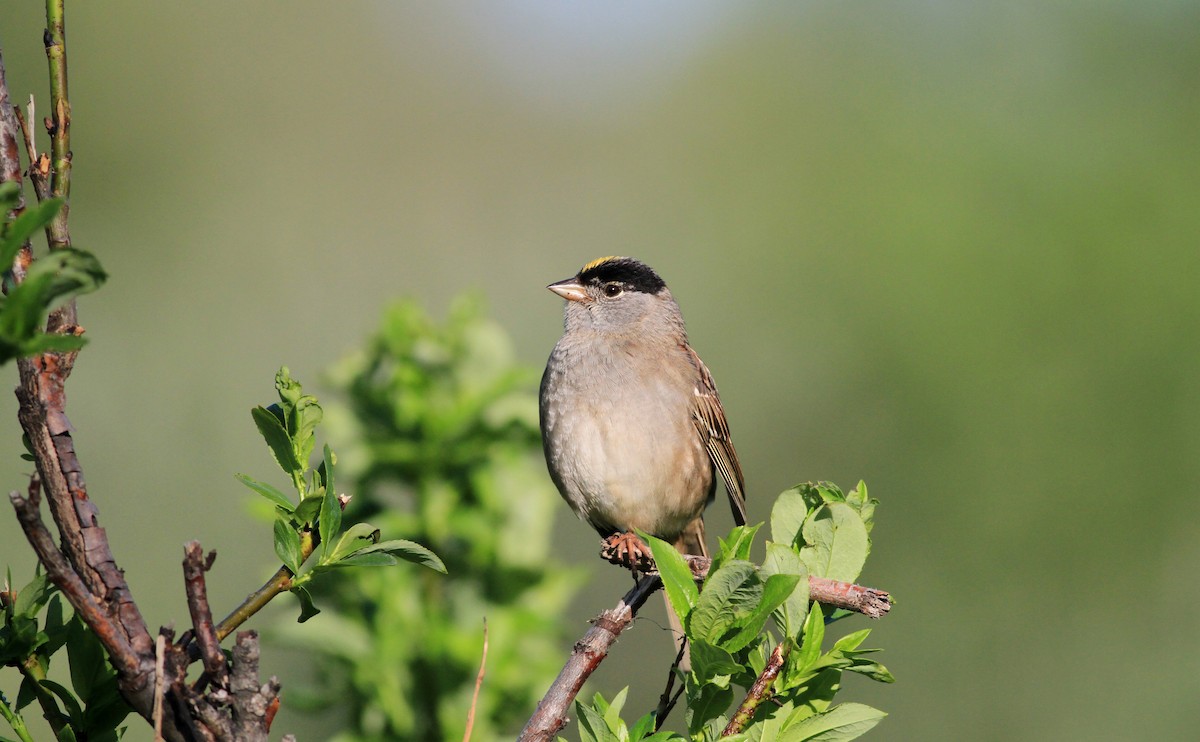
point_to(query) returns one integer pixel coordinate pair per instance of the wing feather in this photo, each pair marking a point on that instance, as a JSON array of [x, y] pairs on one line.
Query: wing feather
[[709, 417]]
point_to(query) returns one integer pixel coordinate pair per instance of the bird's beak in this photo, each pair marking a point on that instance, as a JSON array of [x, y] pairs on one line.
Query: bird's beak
[[570, 289]]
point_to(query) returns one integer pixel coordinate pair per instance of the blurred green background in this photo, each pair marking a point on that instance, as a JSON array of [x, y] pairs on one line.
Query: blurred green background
[[947, 247]]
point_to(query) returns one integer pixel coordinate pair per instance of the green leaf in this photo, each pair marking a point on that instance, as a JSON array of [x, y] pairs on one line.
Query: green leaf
[[784, 560], [267, 491], [277, 439], [330, 521], [308, 509], [360, 560], [776, 589], [612, 714], [736, 546], [814, 637], [861, 502], [63, 274], [34, 596], [843, 722], [23, 227], [787, 516], [89, 669], [836, 542], [729, 595], [709, 661], [677, 577], [409, 551], [357, 536], [592, 727], [710, 703], [74, 711], [287, 545], [307, 609]]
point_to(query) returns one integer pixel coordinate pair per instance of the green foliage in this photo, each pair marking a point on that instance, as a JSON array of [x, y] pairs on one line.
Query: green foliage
[[600, 721], [92, 708], [313, 523], [746, 616], [440, 436], [50, 281]]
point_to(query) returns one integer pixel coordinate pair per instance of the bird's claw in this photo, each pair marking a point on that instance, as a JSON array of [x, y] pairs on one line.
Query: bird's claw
[[627, 550]]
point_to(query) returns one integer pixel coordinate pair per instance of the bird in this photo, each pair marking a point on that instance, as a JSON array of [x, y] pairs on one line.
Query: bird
[[632, 426]]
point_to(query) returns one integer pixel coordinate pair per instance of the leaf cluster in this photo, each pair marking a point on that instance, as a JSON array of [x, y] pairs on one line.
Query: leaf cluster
[[747, 615], [92, 708], [312, 522], [50, 281]]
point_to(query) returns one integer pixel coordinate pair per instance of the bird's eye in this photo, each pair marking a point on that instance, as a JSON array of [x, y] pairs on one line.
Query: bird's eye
[[612, 289]]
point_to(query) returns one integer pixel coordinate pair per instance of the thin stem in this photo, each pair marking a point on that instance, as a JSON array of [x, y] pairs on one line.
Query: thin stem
[[280, 582], [14, 720], [32, 669]]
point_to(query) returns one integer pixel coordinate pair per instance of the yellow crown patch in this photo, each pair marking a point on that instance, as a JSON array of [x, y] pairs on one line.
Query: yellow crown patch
[[599, 262]]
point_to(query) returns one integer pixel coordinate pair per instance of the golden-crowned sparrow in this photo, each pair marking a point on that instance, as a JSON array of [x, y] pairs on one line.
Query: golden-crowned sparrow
[[631, 423]]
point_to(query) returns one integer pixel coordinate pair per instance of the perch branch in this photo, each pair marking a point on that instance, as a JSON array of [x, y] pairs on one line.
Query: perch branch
[[590, 651]]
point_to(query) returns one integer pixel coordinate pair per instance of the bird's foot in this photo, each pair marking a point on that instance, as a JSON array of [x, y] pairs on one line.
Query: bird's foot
[[627, 550]]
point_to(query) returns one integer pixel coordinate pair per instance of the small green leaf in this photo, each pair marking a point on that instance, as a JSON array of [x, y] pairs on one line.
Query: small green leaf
[[287, 545], [307, 609], [814, 637], [736, 546], [843, 722], [23, 227], [409, 551], [676, 576], [592, 727], [308, 509], [34, 596], [357, 536], [267, 491], [277, 439], [330, 521]]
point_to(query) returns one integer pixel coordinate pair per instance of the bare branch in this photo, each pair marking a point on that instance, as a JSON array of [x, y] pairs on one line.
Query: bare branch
[[202, 621]]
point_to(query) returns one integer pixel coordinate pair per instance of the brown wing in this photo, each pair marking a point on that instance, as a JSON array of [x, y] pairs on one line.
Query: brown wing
[[709, 417]]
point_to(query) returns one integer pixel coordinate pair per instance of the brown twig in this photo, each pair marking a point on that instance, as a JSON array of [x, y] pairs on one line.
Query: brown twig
[[202, 621], [759, 692], [478, 685], [589, 652]]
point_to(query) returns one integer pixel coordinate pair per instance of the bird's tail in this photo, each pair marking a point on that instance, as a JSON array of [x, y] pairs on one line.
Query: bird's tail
[[691, 541]]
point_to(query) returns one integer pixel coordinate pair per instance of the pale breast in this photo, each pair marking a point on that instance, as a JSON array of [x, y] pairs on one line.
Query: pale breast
[[625, 453]]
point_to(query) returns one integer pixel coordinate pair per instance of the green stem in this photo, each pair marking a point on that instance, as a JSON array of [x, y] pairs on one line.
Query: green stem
[[32, 669], [64, 318], [280, 582], [14, 720]]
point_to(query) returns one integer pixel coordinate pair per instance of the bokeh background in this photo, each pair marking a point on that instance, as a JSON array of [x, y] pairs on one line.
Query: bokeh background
[[950, 248]]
